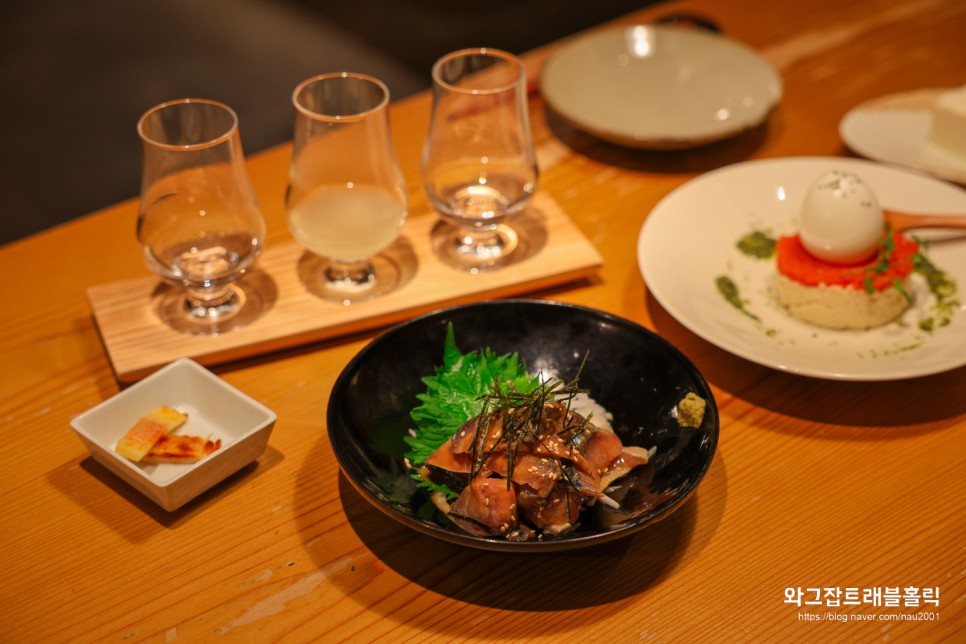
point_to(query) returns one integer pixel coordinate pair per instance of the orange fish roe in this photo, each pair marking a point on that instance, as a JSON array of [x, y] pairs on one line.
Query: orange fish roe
[[796, 263]]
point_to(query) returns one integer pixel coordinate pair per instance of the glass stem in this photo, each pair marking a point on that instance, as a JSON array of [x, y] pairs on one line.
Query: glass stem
[[211, 302], [356, 273], [479, 241]]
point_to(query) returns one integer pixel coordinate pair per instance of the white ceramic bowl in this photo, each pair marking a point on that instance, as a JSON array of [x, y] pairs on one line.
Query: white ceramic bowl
[[215, 409]]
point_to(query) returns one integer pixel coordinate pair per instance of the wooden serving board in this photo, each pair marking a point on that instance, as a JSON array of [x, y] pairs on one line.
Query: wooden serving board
[[138, 343]]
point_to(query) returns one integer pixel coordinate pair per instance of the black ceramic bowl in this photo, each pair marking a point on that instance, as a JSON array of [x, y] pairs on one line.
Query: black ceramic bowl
[[635, 374]]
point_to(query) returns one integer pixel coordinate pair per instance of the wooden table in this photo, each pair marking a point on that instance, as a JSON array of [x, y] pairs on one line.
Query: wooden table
[[816, 484]]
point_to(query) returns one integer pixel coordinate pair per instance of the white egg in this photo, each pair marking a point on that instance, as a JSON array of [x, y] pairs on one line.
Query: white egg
[[841, 221]]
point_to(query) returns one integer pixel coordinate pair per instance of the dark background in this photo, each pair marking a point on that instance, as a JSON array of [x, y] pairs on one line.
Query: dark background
[[77, 75]]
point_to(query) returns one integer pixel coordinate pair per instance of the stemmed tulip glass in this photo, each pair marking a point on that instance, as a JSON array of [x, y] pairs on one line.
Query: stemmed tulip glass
[[347, 198], [198, 226], [478, 163]]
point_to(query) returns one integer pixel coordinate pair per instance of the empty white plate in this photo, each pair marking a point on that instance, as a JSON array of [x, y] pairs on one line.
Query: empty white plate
[[659, 86], [894, 129]]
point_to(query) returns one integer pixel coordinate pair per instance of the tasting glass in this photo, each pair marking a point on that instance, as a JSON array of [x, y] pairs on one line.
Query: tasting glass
[[478, 163], [198, 226], [347, 198]]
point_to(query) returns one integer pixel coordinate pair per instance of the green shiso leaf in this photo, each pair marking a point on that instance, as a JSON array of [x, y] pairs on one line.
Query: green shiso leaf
[[453, 396]]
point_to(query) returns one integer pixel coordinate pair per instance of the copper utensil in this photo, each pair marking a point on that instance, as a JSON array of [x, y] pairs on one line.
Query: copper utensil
[[902, 221]]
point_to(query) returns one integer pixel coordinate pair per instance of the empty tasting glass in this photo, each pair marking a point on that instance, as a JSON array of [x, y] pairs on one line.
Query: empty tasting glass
[[199, 226], [347, 198], [478, 163]]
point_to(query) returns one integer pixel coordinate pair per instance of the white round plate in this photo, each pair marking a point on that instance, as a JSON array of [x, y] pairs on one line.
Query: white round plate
[[689, 239], [895, 129], [661, 87]]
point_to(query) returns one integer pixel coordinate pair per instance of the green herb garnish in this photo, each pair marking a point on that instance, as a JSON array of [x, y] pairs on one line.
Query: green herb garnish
[[943, 287], [454, 394], [883, 258], [757, 244], [729, 291]]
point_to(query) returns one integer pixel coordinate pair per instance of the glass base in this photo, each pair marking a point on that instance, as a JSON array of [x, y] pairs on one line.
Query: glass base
[[348, 283], [241, 307], [477, 250]]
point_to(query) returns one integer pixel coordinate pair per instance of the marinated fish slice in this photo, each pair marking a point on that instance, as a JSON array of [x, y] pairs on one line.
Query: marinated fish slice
[[557, 466], [554, 446], [466, 436], [485, 507], [174, 448], [446, 458], [555, 513], [138, 440], [601, 449], [630, 457], [539, 473]]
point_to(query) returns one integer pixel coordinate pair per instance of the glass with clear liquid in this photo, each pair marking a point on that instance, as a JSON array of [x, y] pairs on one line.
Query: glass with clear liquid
[[199, 227], [478, 164]]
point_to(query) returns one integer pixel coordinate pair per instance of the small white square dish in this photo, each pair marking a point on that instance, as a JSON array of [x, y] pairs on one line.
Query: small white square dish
[[215, 410]]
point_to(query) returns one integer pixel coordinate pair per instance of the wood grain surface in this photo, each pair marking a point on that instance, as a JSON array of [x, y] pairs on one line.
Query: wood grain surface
[[816, 484]]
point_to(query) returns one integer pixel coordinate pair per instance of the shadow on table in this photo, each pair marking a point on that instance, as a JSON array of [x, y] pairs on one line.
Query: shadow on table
[[592, 576], [903, 407], [102, 503], [701, 159]]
